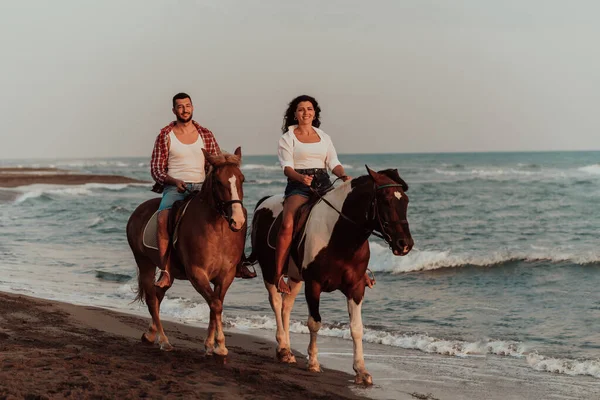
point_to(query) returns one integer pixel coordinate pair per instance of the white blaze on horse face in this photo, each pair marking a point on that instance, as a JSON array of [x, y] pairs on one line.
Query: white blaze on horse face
[[321, 222], [237, 214], [398, 195]]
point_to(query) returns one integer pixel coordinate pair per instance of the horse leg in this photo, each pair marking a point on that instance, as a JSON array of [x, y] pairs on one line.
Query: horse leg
[[356, 331], [288, 305], [201, 283], [220, 290], [153, 296], [313, 296], [145, 281], [276, 305]]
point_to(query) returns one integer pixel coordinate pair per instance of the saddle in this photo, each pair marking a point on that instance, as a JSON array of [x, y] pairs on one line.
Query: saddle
[[177, 212]]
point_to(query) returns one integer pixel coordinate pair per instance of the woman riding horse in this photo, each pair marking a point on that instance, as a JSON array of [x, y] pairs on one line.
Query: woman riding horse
[[305, 152]]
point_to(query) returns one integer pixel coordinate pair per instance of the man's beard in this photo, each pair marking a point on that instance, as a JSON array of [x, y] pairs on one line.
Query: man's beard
[[183, 121]]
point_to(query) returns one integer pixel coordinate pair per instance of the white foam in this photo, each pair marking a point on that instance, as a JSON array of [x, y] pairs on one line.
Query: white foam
[[95, 222], [564, 365], [591, 169], [267, 181], [185, 310], [261, 166], [383, 260], [38, 190], [92, 163], [421, 342]]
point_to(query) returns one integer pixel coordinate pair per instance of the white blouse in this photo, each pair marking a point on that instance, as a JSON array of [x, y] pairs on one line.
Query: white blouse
[[297, 155]]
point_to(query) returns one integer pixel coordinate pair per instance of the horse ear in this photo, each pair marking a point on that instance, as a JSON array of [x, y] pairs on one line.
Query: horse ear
[[207, 156], [238, 152], [395, 176], [372, 174]]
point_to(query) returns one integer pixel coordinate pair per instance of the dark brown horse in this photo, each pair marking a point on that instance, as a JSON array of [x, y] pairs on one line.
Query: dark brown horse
[[332, 253], [211, 237]]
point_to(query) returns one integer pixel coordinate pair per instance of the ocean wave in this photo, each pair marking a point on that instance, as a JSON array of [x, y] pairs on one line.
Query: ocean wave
[[185, 310], [261, 167], [528, 166], [92, 163], [453, 166], [112, 276], [591, 169], [564, 365], [487, 173], [266, 181], [421, 342], [382, 260], [48, 191], [433, 345]]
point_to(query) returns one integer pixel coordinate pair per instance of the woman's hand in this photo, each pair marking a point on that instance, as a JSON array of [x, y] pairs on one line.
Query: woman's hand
[[306, 179]]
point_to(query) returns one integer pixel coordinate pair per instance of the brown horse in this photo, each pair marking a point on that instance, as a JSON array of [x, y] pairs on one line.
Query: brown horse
[[332, 253], [211, 237]]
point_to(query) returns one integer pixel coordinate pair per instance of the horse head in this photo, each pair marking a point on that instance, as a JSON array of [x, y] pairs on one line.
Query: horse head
[[390, 206], [224, 187]]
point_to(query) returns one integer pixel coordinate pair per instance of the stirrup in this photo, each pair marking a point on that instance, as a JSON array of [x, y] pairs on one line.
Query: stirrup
[[246, 275], [372, 276]]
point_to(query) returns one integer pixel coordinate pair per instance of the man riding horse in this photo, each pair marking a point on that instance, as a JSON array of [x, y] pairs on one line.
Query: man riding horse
[[179, 167]]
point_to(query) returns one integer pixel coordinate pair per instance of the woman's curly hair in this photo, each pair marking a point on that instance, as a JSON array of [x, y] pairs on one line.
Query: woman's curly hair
[[288, 117]]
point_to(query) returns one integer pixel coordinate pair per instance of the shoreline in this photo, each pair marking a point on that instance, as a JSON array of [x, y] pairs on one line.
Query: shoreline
[[55, 349], [11, 177]]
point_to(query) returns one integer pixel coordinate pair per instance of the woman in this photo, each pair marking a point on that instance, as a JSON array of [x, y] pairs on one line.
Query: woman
[[305, 152]]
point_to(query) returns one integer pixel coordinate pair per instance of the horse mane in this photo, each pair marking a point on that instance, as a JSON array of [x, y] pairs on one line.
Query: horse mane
[[224, 159]]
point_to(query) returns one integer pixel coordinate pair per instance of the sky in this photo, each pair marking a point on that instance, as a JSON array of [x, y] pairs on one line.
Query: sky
[[95, 79]]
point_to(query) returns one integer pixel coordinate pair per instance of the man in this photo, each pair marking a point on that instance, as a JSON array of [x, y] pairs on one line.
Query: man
[[179, 167]]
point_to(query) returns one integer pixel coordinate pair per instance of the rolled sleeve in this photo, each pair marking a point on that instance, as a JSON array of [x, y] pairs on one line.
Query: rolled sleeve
[[285, 152], [332, 159], [158, 164]]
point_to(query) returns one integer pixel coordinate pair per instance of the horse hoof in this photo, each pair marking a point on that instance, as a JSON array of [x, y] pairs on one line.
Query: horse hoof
[[285, 356], [291, 359], [145, 339], [315, 368], [166, 346], [221, 351], [364, 379]]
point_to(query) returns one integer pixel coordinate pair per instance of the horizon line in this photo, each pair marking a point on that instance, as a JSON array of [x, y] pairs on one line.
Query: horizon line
[[341, 154]]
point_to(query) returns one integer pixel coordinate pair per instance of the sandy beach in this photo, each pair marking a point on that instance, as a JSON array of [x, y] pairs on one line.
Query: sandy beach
[[58, 350]]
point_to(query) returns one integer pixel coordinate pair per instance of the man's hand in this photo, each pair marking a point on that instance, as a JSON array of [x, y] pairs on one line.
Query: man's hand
[[181, 187], [345, 178]]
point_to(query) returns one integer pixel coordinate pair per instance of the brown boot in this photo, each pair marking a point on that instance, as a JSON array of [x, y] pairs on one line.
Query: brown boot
[[243, 272]]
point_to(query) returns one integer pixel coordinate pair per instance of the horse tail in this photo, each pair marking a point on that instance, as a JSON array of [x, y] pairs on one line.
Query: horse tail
[[252, 259], [140, 294]]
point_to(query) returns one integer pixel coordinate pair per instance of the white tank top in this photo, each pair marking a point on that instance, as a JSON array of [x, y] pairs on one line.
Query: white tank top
[[186, 161]]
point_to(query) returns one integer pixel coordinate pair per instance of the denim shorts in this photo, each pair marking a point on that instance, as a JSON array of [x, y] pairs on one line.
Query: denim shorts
[[171, 195], [320, 183]]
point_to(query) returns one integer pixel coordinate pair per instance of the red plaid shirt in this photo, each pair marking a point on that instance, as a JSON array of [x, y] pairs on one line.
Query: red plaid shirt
[[159, 165]]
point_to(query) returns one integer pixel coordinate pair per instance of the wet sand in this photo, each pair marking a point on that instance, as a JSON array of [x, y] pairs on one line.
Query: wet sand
[[57, 350], [11, 177]]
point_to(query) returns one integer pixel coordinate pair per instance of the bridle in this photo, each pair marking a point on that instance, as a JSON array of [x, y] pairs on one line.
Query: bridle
[[224, 208], [372, 216]]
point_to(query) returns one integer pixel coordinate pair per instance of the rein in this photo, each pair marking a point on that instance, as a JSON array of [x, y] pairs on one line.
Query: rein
[[384, 235]]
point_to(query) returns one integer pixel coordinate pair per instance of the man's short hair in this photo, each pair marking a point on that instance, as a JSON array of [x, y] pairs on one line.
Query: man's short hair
[[181, 96]]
